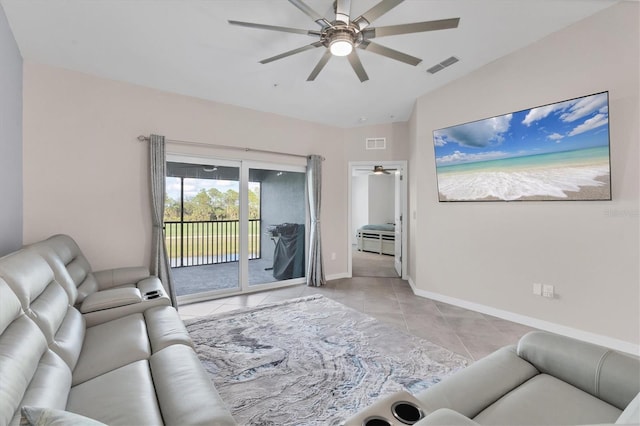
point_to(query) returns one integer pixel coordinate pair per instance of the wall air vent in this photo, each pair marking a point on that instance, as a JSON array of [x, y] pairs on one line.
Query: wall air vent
[[442, 65], [376, 143]]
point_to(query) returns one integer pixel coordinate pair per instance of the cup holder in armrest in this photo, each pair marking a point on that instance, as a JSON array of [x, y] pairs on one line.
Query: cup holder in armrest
[[150, 295], [407, 412], [376, 421]]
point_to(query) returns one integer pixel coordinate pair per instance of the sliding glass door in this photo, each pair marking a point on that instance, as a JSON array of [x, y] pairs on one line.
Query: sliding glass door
[[202, 223], [280, 253], [233, 226]]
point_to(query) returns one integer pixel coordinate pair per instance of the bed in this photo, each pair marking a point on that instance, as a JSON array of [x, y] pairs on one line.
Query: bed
[[377, 238]]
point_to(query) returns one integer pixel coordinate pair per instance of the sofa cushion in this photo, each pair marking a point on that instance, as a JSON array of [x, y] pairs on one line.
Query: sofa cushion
[[111, 345], [125, 396], [470, 390], [117, 277], [446, 417], [602, 372], [546, 400], [40, 416], [30, 372], [44, 301], [76, 271]]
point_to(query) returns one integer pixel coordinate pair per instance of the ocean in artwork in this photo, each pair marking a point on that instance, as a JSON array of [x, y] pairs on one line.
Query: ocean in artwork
[[558, 175]]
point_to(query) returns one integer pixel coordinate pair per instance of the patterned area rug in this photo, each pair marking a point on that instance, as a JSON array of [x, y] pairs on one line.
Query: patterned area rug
[[311, 361]]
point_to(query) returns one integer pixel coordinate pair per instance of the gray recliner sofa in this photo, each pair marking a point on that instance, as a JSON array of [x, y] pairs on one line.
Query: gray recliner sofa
[[546, 379], [132, 364]]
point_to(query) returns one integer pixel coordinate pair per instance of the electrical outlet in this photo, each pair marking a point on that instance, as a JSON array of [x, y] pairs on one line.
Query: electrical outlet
[[333, 256], [537, 289], [547, 291]]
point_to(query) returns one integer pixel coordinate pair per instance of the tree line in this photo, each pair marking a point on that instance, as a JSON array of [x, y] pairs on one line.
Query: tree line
[[211, 204]]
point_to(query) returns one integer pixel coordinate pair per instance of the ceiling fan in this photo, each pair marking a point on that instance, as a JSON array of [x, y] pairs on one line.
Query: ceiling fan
[[378, 170], [341, 36]]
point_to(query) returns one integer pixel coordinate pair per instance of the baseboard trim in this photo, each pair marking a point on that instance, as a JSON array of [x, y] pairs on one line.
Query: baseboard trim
[[598, 339], [338, 276]]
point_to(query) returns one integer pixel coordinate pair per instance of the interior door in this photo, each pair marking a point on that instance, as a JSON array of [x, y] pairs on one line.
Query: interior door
[[397, 252]]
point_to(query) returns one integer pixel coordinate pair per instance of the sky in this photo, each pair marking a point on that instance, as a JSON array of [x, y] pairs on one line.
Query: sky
[[564, 126]]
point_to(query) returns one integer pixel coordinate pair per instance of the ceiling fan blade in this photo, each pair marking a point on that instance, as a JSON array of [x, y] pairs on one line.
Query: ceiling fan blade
[[323, 61], [343, 8], [319, 19], [275, 28], [370, 46], [354, 60], [416, 27], [375, 12], [291, 52]]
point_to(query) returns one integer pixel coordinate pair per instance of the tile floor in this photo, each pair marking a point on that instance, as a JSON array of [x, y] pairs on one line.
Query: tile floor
[[391, 300]]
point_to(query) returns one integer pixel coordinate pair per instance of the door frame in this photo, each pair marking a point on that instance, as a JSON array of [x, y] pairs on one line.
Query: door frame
[[404, 203]]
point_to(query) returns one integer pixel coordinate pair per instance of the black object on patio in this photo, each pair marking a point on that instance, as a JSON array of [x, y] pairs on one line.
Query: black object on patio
[[288, 256]]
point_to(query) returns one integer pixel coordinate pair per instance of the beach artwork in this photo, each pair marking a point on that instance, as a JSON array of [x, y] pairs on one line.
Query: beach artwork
[[558, 151]]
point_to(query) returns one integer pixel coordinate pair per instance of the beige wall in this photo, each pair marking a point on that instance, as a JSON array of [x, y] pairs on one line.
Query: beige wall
[[10, 140], [86, 175], [490, 254]]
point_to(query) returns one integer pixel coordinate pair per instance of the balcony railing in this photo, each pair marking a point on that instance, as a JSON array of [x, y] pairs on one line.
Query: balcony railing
[[208, 242]]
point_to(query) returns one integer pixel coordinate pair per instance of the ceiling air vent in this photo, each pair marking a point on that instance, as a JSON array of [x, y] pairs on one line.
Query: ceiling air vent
[[442, 65], [376, 143]]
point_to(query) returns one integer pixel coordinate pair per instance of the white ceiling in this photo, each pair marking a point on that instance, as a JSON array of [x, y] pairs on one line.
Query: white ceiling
[[187, 47]]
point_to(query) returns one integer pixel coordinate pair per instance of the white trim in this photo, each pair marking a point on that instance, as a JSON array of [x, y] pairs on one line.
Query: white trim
[[598, 339], [338, 276], [243, 166], [404, 167], [188, 299]]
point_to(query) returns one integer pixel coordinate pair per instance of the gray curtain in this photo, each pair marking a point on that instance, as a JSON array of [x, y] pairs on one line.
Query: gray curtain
[[159, 260], [315, 268]]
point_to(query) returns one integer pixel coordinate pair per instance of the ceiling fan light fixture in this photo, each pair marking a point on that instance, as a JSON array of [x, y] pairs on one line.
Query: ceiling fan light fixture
[[378, 170], [341, 45]]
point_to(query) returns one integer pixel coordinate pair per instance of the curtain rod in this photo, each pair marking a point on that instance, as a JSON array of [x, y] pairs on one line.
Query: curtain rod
[[142, 138]]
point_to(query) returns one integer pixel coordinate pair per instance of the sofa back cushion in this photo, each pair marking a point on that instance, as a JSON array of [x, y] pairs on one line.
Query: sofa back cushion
[[606, 374], [71, 267], [31, 373], [44, 301]]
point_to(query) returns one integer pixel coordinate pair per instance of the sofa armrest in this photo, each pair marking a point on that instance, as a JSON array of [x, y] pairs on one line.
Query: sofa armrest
[[631, 414], [109, 278], [604, 373], [185, 393], [446, 417], [471, 390], [112, 298]]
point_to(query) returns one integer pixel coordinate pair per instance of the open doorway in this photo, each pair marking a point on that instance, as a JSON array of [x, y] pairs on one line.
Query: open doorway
[[377, 208]]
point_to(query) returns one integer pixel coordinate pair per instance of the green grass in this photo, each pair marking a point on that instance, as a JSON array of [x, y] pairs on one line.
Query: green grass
[[209, 239]]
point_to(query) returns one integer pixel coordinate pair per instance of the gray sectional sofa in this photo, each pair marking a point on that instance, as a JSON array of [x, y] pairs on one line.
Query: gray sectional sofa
[[77, 345], [546, 379]]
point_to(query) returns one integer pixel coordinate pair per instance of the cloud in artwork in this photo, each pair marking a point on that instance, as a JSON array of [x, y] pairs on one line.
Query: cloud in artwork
[[462, 157], [592, 123], [536, 114], [478, 134], [584, 107], [555, 137], [572, 111]]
